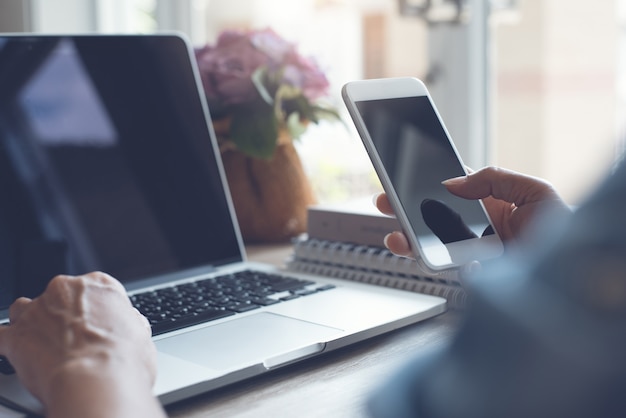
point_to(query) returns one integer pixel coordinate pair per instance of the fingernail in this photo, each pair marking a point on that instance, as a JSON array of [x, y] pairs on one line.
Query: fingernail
[[374, 197], [385, 239], [470, 269], [454, 180]]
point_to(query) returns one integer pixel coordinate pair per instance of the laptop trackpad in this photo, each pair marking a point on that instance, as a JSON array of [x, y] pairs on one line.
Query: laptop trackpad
[[261, 338]]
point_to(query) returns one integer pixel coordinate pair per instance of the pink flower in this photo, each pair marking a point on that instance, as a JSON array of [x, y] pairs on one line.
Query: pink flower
[[307, 76], [226, 69], [261, 82]]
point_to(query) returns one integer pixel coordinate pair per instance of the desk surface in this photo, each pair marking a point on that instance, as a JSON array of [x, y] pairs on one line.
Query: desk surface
[[335, 384]]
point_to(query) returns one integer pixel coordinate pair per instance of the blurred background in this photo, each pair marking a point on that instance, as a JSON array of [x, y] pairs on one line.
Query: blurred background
[[538, 86]]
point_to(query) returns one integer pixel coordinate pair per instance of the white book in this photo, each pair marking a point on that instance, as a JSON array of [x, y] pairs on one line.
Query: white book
[[358, 222], [346, 241]]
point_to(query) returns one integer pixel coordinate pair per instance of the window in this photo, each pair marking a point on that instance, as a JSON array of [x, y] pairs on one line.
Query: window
[[126, 16], [558, 104], [554, 82]]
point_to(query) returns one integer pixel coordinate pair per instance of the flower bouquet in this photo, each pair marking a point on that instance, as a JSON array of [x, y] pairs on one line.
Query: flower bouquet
[[261, 85]]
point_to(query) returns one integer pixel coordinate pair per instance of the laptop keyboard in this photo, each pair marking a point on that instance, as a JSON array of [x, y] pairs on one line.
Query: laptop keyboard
[[187, 304], [177, 307]]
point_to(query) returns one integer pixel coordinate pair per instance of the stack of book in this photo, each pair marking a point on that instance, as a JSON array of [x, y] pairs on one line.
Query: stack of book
[[347, 242]]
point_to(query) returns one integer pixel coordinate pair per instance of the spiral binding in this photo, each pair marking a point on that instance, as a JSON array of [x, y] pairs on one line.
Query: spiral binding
[[375, 265]]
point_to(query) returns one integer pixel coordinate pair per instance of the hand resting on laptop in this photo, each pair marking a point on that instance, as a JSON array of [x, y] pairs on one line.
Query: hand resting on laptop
[[83, 350]]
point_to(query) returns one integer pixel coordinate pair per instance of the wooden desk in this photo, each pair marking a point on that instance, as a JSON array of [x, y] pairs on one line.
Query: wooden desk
[[336, 384]]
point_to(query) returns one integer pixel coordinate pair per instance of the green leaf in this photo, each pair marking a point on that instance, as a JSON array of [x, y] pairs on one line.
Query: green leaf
[[255, 126], [258, 78], [286, 91], [254, 131], [295, 126], [326, 113]]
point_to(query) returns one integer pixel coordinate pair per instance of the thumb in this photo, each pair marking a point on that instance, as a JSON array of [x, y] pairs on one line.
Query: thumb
[[468, 270], [15, 310]]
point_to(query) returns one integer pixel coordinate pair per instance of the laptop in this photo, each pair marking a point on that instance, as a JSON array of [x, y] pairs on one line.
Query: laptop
[[108, 162]]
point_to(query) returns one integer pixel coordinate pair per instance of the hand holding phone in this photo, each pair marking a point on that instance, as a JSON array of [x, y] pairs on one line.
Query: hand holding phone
[[412, 154]]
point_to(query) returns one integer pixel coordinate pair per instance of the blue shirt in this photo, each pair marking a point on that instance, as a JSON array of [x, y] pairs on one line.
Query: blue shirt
[[545, 332]]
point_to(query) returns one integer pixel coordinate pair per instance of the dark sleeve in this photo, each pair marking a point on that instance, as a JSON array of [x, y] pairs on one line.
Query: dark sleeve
[[545, 333]]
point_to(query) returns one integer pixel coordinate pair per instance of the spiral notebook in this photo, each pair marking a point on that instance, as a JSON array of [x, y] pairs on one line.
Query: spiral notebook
[[374, 265]]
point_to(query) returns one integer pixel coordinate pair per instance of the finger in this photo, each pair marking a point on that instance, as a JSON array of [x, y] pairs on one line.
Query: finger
[[144, 320], [502, 184], [105, 281], [98, 277], [468, 270], [17, 308], [382, 203], [397, 243]]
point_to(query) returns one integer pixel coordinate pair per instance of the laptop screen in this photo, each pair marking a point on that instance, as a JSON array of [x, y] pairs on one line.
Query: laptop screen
[[106, 162]]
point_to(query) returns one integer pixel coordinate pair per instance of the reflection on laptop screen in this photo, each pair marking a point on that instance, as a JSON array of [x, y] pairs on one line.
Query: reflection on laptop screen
[[105, 162]]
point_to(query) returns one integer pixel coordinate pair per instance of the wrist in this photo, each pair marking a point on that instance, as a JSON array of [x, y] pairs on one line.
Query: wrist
[[100, 387]]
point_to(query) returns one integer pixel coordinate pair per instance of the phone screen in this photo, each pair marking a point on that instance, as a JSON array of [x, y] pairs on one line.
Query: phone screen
[[417, 156]]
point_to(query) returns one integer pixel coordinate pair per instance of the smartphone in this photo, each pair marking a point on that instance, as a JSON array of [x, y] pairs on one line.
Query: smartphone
[[412, 153]]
